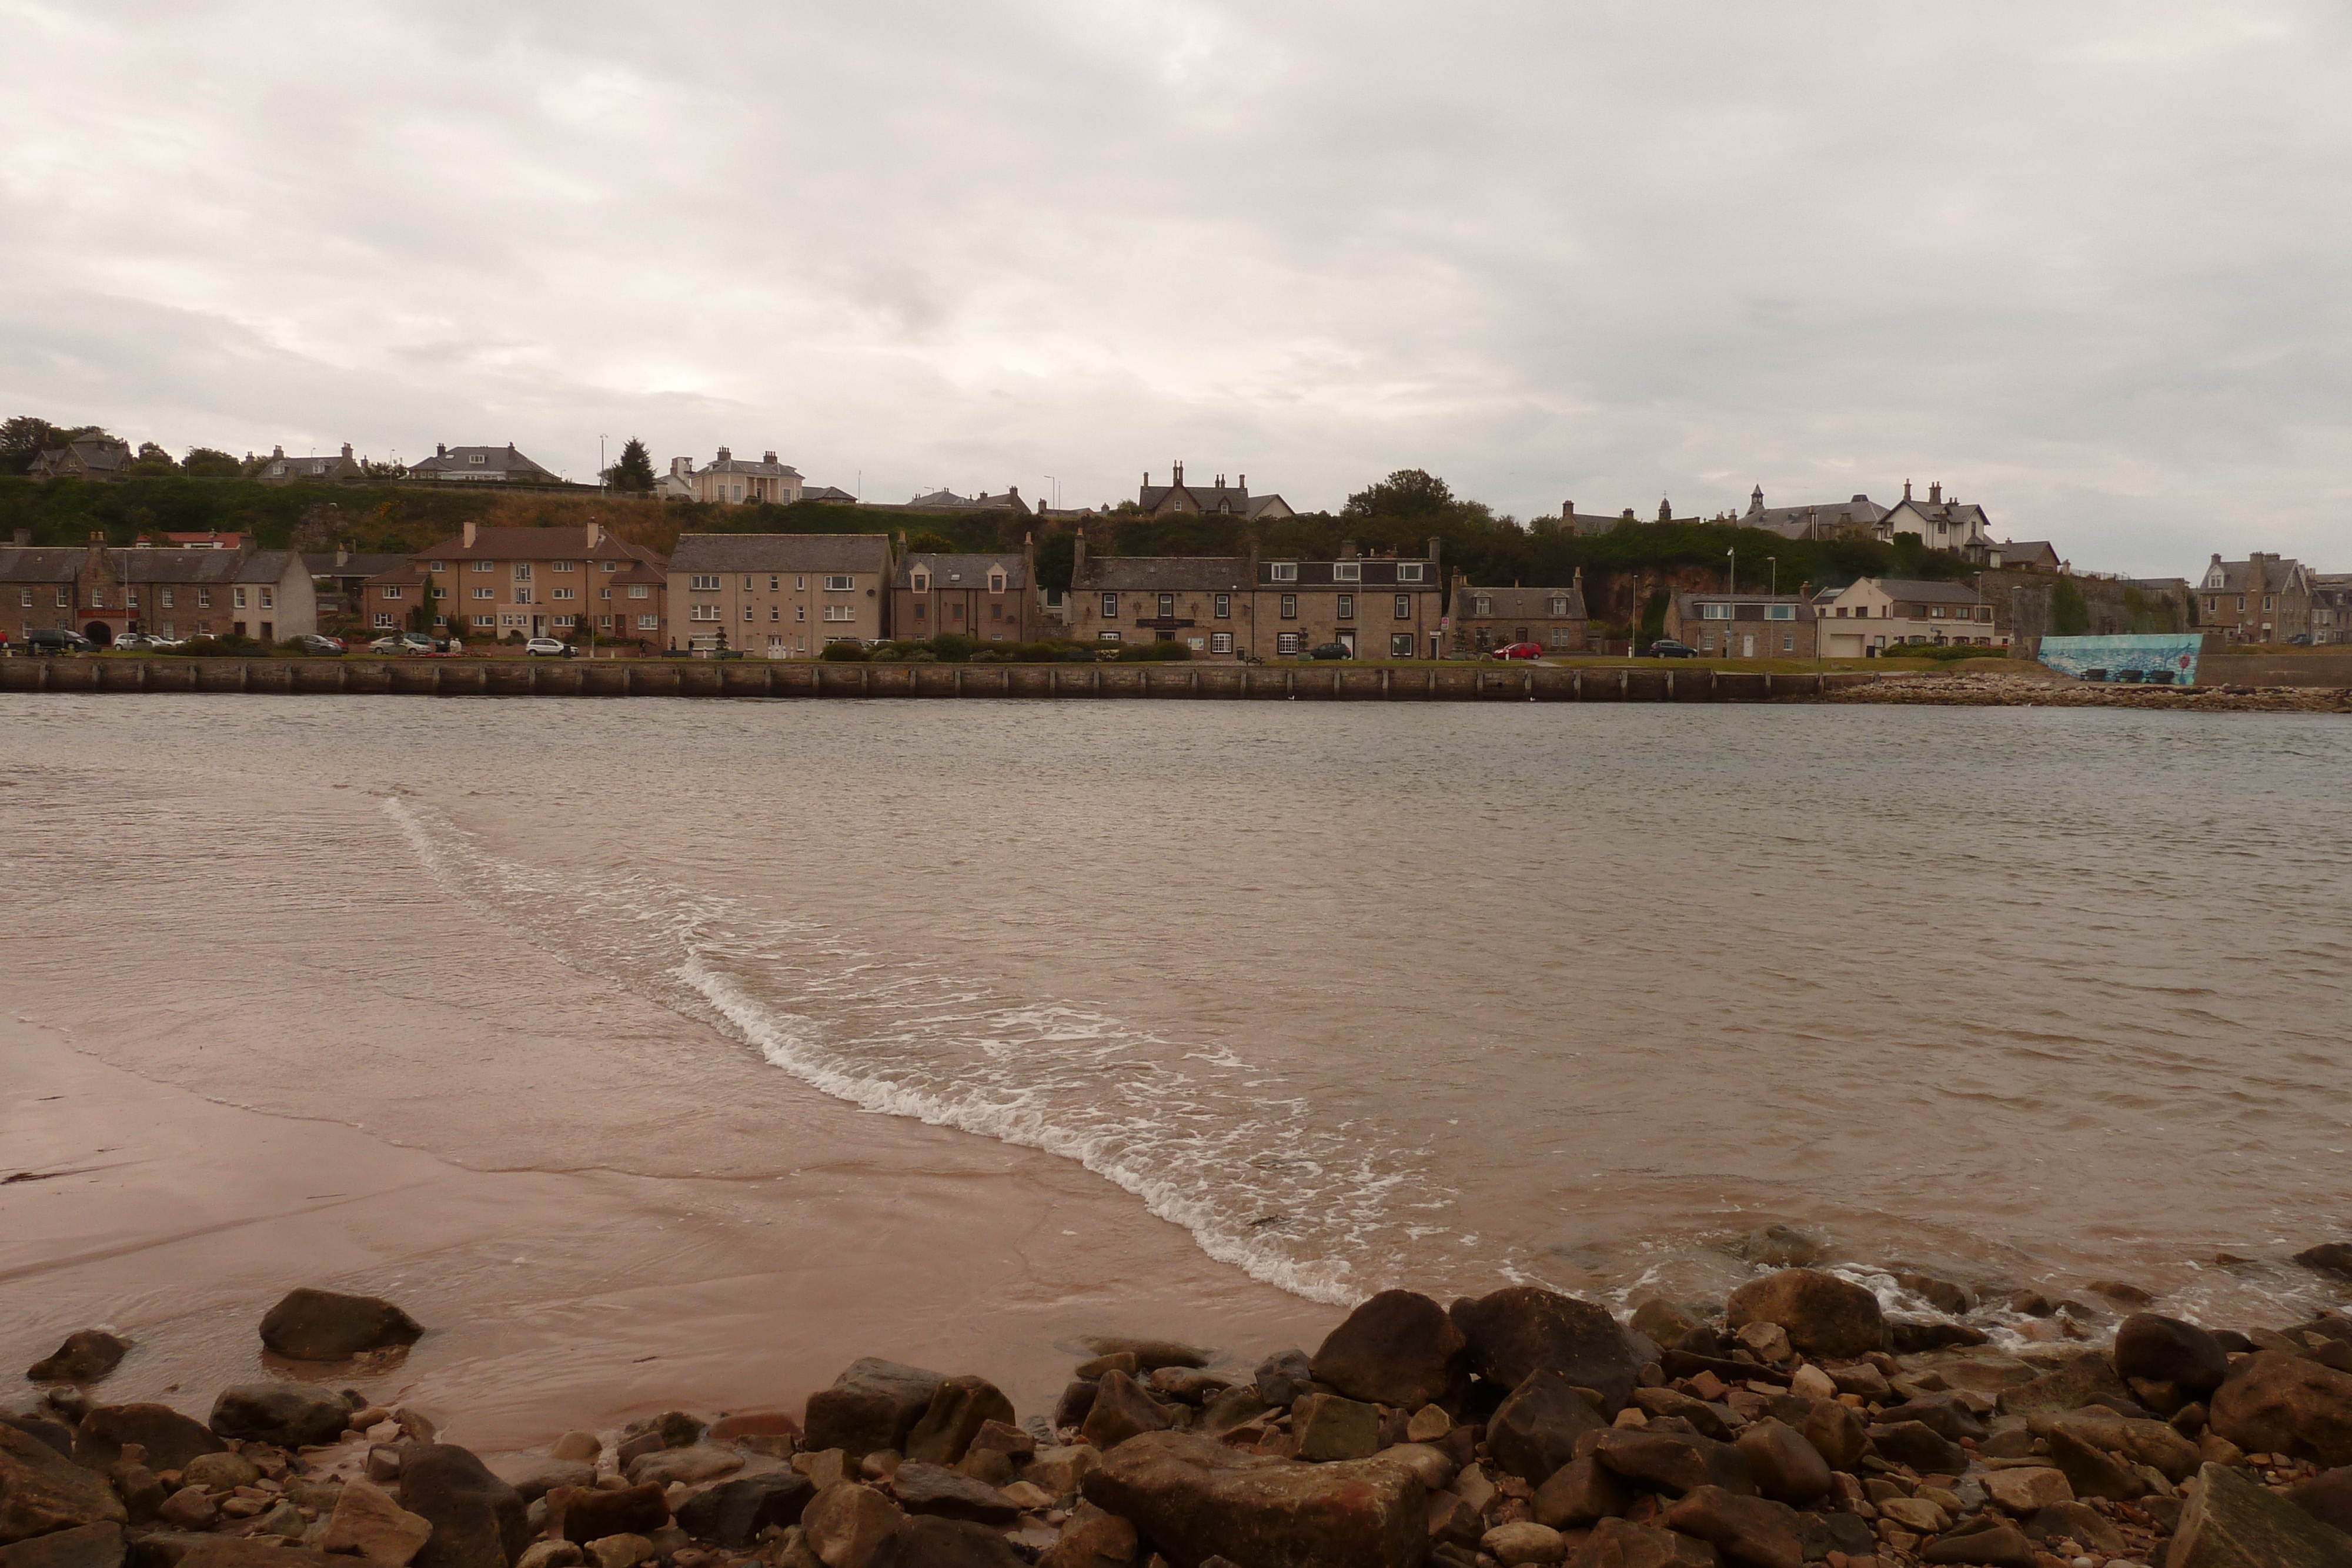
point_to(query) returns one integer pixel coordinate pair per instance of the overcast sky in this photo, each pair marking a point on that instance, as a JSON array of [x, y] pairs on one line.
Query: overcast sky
[[2085, 263]]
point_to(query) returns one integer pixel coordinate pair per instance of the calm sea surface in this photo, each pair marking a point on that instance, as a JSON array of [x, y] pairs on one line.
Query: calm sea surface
[[1358, 995]]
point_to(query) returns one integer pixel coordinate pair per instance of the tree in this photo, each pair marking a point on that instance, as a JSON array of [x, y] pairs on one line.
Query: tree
[[25, 438], [634, 471], [204, 463], [154, 459], [1407, 493]]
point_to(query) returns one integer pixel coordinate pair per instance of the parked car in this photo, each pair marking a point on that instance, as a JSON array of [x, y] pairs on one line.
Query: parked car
[[318, 642], [2300, 639], [1519, 651], [1332, 650], [134, 641], [1667, 648], [549, 648], [57, 640], [403, 643]]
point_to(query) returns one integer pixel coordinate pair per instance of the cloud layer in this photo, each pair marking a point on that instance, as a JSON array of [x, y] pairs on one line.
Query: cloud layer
[[2082, 264]]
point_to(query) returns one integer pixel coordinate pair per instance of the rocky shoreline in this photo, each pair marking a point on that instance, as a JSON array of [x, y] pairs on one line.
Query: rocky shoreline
[[1984, 688], [1794, 1423]]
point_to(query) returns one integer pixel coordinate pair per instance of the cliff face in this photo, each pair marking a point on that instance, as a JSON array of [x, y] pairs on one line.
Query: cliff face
[[2036, 604]]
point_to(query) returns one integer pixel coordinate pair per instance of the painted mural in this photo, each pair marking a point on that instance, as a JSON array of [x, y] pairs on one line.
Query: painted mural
[[2167, 659]]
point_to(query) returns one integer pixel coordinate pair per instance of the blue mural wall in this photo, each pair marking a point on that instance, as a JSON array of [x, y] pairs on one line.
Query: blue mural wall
[[2167, 659]]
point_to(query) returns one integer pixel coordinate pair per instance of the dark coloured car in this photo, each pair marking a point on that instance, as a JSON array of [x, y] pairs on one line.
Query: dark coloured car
[[1667, 648], [1332, 650], [57, 640]]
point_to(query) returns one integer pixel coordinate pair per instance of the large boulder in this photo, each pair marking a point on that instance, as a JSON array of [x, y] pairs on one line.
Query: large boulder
[[1822, 1314], [1621, 1543], [693, 1465], [733, 1513], [934, 1488], [1673, 1463], [873, 1404], [587, 1513], [928, 1541], [1919, 1445], [83, 1546], [1397, 1348], [2326, 1497], [1786, 1468], [2281, 1404], [2232, 1522], [1580, 1493], [1750, 1531], [1534, 1432], [1525, 1329], [1282, 1376], [1837, 1432], [959, 1408], [170, 1438], [2167, 1350], [87, 1356], [1120, 1410], [324, 1325], [847, 1525], [41, 1491], [1150, 1354], [290, 1414], [1194, 1498], [534, 1476], [477, 1520], [2328, 1258], [232, 1551], [2087, 1379]]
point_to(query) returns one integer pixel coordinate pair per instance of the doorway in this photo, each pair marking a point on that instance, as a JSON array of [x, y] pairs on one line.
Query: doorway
[[1748, 644], [1348, 639]]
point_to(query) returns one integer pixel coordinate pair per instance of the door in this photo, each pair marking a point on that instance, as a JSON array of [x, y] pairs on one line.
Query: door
[[1748, 644], [1347, 640], [539, 625]]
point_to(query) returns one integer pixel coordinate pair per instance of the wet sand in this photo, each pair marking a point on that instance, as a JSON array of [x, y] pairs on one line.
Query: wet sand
[[562, 1298]]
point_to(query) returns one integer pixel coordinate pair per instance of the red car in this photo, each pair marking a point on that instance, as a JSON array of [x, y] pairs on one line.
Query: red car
[[1519, 651]]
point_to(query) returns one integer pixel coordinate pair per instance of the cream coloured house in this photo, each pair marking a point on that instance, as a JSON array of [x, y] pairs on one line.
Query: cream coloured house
[[735, 481], [1872, 614], [784, 596]]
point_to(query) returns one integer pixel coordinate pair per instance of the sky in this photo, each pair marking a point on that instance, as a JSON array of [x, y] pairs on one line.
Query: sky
[[2085, 264]]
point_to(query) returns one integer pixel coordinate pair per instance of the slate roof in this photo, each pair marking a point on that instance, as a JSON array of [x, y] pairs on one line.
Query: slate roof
[[566, 543], [40, 564], [780, 552], [1689, 602], [1212, 499], [495, 460], [1518, 603], [323, 563], [2022, 552], [1911, 590], [1162, 574], [2275, 574], [974, 569], [1807, 521], [268, 566], [727, 463], [164, 566], [824, 493]]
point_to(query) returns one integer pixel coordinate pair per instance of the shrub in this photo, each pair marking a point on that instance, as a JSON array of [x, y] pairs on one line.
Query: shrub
[[888, 653], [1076, 653], [228, 645], [922, 657], [1153, 653], [844, 654], [955, 647]]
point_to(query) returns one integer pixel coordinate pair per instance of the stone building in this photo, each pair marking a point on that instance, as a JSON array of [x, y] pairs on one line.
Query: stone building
[[86, 457], [105, 592], [2262, 599], [1380, 606], [490, 465], [1488, 618], [1744, 625], [1873, 615], [993, 598], [1857, 518], [783, 595], [1177, 498], [279, 469], [1941, 523], [489, 583]]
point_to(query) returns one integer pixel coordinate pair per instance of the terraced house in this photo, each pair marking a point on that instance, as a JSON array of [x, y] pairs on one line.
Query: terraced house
[[104, 592], [782, 595], [993, 598], [2262, 599], [490, 583], [1377, 606]]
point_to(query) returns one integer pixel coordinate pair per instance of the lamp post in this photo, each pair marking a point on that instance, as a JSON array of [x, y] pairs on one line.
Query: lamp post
[[1731, 571], [1054, 489], [603, 481], [1774, 562]]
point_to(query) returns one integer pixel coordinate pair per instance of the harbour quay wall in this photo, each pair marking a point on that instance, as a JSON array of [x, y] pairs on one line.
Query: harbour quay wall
[[1332, 682]]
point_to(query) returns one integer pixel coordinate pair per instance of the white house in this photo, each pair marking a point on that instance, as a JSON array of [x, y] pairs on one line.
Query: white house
[[1875, 613]]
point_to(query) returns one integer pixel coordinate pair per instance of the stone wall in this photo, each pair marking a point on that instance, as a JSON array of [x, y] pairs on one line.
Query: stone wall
[[2026, 604]]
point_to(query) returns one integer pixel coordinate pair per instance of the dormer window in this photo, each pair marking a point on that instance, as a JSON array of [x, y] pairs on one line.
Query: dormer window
[[476, 457], [1482, 605], [1560, 607], [1409, 571], [995, 582], [1346, 571], [1284, 571], [922, 582]]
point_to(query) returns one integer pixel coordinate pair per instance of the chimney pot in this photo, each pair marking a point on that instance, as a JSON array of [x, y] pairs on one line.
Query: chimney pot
[[1935, 492], [771, 457], [439, 450], [277, 452]]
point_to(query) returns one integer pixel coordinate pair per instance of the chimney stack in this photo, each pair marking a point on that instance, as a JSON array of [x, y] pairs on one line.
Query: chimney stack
[[770, 458], [439, 450], [1936, 493], [1178, 480], [595, 535], [347, 451], [470, 530]]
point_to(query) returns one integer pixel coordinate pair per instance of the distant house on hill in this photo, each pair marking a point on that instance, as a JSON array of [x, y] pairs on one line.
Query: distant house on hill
[[1948, 525], [949, 501], [2027, 554], [2262, 599], [1177, 498], [485, 464], [731, 480], [828, 495], [1856, 518], [90, 457], [279, 469]]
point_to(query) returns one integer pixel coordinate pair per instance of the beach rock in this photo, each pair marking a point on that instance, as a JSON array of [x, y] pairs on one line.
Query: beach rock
[[290, 1414], [1768, 1343], [42, 1492], [1061, 1470], [934, 1489], [138, 1488], [1428, 1424], [56, 1434], [847, 1525], [87, 1356], [2282, 1403], [1579, 1493], [83, 1546], [1667, 1323], [1282, 1377], [323, 1325], [2075, 1522], [754, 1424], [170, 1438], [1328, 1427], [1525, 1329], [1100, 1541], [1523, 1541], [2328, 1258], [231, 1551], [1750, 1531], [477, 1520], [1780, 1246], [1194, 1498], [1078, 1398], [370, 1523], [873, 1404], [2167, 1350], [2029, 1489], [1230, 1408], [1004, 1439], [1836, 1431], [694, 1465], [1534, 1431], [190, 1508], [2089, 1470], [934, 1543], [1996, 1546], [1939, 1413], [1943, 1295], [1704, 1419], [1121, 1409], [549, 1554], [2140, 1442], [2233, 1521], [1921, 1447], [583, 1513], [219, 1472], [1187, 1383], [534, 1477], [733, 1513], [617, 1550], [1784, 1465], [1397, 1348], [1621, 1543], [2326, 1497], [1124, 1361], [2086, 1380], [1435, 1466], [959, 1409], [1824, 1315], [1150, 1354], [1673, 1463]]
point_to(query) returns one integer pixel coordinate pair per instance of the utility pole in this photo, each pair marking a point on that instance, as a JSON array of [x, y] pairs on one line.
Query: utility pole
[[1774, 562], [603, 482]]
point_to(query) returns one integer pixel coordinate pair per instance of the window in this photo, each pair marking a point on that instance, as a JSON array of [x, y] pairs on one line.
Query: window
[[1220, 641], [563, 621], [1481, 605], [236, 598], [648, 622], [391, 594], [604, 593], [485, 566], [1411, 572], [841, 613], [612, 566], [1283, 571], [799, 583], [1984, 612], [167, 597], [522, 596], [702, 612], [486, 620], [1107, 637], [747, 614], [522, 571], [747, 585], [1290, 607], [997, 611], [203, 599], [1404, 606], [561, 566], [921, 582], [800, 612], [475, 457], [955, 611], [1223, 607], [996, 582], [1400, 644], [1715, 612], [1347, 607], [1167, 607], [435, 565], [65, 598], [486, 594], [636, 591], [561, 593], [1788, 642], [922, 611], [1110, 606], [386, 618], [2266, 601], [1287, 643], [1780, 612], [1346, 571], [703, 582], [838, 583], [25, 598], [605, 621], [268, 599], [1559, 605]]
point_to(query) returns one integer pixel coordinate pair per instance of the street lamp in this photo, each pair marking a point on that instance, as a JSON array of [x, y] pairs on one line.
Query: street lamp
[[1774, 562], [1731, 572]]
